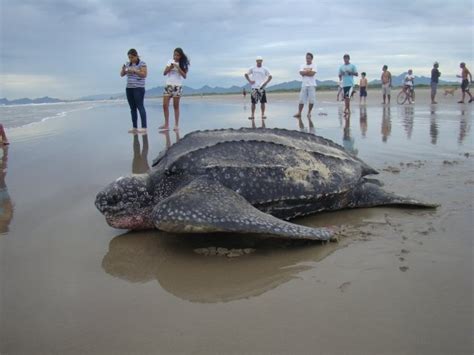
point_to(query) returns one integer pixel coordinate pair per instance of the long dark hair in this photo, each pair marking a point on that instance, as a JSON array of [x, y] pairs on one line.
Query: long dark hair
[[183, 60], [133, 52]]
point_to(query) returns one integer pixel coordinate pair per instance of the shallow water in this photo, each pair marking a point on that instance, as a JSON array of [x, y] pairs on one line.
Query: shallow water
[[400, 281]]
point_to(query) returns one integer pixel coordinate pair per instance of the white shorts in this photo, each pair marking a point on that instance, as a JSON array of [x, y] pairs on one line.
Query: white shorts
[[385, 89], [308, 95]]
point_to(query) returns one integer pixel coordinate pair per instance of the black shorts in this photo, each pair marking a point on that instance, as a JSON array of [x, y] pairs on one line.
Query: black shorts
[[258, 95], [347, 91], [363, 91], [465, 85]]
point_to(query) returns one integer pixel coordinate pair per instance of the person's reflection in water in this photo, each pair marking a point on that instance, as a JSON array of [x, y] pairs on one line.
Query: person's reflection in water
[[386, 123], [347, 140], [254, 126], [408, 119], [6, 205], [142, 257], [464, 127], [140, 158], [300, 124], [311, 128], [434, 131], [363, 120], [168, 138], [340, 115]]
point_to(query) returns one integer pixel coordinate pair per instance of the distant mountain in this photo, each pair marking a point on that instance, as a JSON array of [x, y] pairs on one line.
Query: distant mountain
[[206, 89], [25, 101], [296, 85], [102, 97], [419, 80]]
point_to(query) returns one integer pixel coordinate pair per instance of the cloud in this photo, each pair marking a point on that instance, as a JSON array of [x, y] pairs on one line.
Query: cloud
[[85, 42], [24, 84]]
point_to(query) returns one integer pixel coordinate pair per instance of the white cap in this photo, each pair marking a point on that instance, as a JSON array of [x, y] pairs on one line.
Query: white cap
[[259, 58]]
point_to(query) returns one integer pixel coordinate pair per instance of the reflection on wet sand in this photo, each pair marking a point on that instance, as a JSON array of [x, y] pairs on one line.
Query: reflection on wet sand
[[347, 140], [168, 138], [464, 126], [386, 123], [408, 119], [301, 125], [140, 158], [363, 121], [254, 126], [171, 260], [434, 131], [6, 205]]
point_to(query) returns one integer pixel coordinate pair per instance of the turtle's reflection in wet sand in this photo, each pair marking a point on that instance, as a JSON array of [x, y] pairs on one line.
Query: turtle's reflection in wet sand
[[171, 260]]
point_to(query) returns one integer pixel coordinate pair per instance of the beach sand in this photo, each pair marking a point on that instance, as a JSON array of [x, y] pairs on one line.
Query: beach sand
[[398, 282]]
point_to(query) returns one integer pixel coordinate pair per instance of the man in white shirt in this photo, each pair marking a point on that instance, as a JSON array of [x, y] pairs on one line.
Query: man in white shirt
[[258, 76], [308, 85]]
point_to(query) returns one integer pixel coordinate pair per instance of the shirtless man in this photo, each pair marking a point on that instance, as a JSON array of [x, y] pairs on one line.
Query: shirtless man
[[466, 80], [386, 79]]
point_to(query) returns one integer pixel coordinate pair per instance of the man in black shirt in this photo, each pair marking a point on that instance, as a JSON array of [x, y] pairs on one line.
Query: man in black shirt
[[435, 74]]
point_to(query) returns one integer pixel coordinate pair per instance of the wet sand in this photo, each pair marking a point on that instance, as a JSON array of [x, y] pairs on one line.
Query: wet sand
[[398, 282]]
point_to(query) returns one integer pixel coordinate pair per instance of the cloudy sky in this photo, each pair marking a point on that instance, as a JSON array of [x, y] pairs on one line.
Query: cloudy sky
[[68, 49]]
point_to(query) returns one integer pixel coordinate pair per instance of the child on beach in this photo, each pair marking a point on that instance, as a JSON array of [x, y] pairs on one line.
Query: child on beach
[[136, 72], [339, 91], [175, 71], [363, 88]]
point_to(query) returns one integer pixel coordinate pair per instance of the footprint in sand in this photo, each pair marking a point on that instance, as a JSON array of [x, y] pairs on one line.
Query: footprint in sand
[[344, 286]]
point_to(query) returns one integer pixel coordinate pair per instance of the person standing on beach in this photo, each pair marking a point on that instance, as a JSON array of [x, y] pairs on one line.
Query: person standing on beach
[[258, 76], [466, 80], [175, 71], [136, 72], [363, 83], [386, 79], [308, 85], [409, 86], [435, 74], [347, 71]]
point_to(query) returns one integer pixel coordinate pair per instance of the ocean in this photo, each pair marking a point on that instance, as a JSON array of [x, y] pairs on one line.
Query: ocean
[[16, 116]]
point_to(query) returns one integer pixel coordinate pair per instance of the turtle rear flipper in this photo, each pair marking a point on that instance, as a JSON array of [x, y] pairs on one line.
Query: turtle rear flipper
[[205, 206], [369, 193]]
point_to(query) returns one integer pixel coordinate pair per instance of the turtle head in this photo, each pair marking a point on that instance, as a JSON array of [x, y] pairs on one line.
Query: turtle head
[[127, 203]]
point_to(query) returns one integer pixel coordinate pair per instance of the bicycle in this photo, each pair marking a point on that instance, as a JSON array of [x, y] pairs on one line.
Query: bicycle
[[405, 94]]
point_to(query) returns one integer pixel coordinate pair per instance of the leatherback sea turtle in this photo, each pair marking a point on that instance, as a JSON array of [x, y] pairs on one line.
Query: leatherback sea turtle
[[244, 181]]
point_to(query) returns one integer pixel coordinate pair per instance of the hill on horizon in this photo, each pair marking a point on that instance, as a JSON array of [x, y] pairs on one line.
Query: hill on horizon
[[293, 85]]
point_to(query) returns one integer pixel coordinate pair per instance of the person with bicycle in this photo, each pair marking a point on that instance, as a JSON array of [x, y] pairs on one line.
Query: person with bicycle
[[409, 86]]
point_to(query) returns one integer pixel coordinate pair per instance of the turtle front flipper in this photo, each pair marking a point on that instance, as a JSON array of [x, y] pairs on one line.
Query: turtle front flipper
[[205, 206]]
